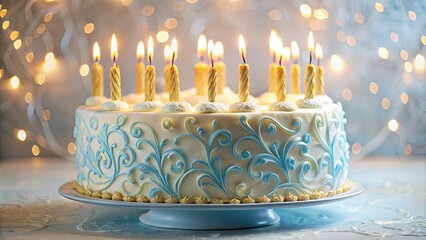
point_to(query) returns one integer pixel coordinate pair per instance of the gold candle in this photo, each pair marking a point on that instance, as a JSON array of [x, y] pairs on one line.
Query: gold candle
[[310, 71], [280, 80], [212, 74], [97, 73], [201, 69], [244, 78], [319, 73], [150, 74], [174, 76], [140, 68], [168, 58], [295, 69], [114, 72], [220, 67]]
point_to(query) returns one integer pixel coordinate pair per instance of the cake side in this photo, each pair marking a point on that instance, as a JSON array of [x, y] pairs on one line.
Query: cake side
[[220, 157]]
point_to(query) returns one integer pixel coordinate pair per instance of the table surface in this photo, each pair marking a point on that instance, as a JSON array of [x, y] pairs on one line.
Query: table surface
[[393, 206]]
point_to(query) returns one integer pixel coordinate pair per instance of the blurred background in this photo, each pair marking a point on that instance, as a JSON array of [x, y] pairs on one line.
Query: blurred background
[[374, 60]]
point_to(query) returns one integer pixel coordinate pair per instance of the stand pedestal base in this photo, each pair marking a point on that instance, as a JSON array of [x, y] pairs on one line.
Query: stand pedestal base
[[209, 220]]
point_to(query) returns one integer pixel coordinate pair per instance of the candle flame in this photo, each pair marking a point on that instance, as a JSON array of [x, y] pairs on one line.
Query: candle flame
[[114, 51], [96, 52], [286, 54], [168, 53], [202, 44], [140, 51], [150, 48], [278, 46], [242, 46], [218, 47], [211, 50], [311, 43], [174, 49], [272, 39], [294, 50], [318, 51]]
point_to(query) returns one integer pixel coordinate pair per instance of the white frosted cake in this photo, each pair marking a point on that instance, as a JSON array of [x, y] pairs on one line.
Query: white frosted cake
[[190, 157]]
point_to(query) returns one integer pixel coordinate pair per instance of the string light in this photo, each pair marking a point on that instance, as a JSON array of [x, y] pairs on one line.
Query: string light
[[379, 7], [347, 94], [148, 11], [405, 98], [356, 148], [171, 23], [412, 15], [88, 28], [84, 70], [5, 25], [21, 135], [35, 150], [28, 97], [386, 103], [71, 148], [305, 10], [373, 87], [408, 66], [162, 36], [393, 125], [337, 63], [14, 82], [383, 53]]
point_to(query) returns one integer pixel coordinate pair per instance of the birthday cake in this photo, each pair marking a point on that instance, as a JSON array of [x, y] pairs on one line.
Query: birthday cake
[[241, 152]]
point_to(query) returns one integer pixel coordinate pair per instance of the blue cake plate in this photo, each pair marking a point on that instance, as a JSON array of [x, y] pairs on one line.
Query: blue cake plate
[[208, 216]]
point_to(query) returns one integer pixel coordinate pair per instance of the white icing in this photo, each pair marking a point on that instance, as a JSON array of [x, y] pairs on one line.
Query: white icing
[[210, 107], [134, 98], [324, 99], [283, 106], [95, 100], [168, 126], [115, 105], [310, 103], [177, 107], [243, 107], [147, 106]]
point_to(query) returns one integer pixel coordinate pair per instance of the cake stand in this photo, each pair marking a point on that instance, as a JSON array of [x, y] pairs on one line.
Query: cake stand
[[207, 216]]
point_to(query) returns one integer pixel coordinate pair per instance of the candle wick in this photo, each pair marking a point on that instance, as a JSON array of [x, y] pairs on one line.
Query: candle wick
[[310, 57], [242, 54], [211, 58], [201, 57], [173, 59], [318, 61], [281, 58], [149, 58], [274, 58], [113, 58]]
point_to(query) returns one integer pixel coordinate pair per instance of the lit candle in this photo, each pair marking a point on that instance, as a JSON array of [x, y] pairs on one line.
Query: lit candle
[[273, 66], [201, 69], [174, 75], [310, 70], [280, 80], [295, 69], [212, 74], [97, 73], [220, 67], [140, 68], [114, 72], [244, 78], [150, 74], [168, 58], [319, 73]]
